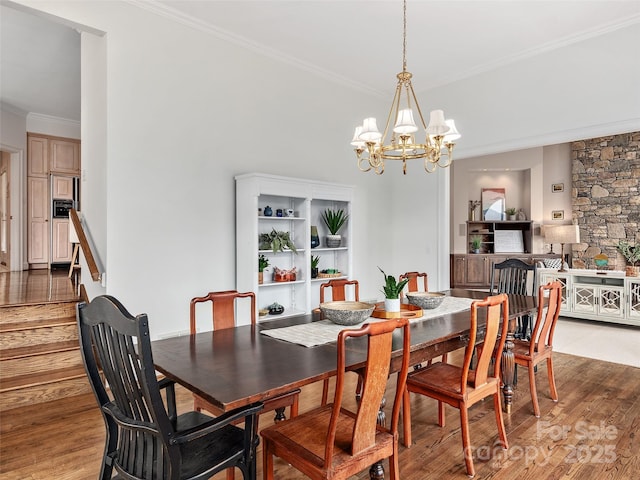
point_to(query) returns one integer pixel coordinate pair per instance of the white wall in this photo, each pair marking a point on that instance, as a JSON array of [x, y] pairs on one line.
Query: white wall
[[583, 90]]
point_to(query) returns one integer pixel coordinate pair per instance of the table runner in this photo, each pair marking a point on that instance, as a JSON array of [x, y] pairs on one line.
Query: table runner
[[325, 331]]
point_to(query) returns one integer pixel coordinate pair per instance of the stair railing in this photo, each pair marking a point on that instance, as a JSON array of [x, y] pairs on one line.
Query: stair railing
[[84, 245]]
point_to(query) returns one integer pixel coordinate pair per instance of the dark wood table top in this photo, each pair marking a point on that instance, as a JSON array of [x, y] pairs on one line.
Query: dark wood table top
[[237, 366]]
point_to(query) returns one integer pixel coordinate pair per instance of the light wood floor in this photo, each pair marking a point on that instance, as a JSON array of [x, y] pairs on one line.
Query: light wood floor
[[591, 433]]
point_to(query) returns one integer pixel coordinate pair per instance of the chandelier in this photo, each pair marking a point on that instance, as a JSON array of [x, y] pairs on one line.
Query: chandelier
[[372, 148]]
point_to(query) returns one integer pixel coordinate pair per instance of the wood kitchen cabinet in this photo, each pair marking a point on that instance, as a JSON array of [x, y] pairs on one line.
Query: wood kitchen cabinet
[[62, 187], [61, 248], [64, 156], [38, 156], [38, 210]]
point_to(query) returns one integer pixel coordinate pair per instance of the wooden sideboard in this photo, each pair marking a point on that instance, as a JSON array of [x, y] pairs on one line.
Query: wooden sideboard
[[474, 270]]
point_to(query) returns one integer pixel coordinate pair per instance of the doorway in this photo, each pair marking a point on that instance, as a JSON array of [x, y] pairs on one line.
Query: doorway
[[5, 211]]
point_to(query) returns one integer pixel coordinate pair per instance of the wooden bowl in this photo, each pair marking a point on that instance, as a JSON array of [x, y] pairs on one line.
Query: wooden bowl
[[347, 313], [426, 300]]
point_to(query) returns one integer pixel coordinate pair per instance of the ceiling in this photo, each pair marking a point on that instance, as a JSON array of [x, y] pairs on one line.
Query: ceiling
[[354, 42]]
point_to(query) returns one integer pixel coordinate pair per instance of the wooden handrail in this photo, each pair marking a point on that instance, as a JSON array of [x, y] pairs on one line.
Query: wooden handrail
[[84, 244]]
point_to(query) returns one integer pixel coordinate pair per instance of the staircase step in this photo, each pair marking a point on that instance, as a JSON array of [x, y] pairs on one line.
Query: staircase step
[[41, 379], [42, 393], [35, 312], [45, 332], [27, 360]]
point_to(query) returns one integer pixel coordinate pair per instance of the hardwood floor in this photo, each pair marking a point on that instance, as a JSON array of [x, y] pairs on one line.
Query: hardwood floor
[[590, 433]]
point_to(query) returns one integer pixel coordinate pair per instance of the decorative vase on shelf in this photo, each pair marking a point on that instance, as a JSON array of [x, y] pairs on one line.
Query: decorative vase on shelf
[[315, 238], [260, 278], [392, 304], [333, 241], [267, 211]]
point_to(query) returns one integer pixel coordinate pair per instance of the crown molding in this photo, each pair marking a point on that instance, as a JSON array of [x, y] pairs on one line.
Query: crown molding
[[7, 107]]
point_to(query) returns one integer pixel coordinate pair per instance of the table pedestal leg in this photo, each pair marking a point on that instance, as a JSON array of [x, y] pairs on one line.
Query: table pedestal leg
[[508, 371]]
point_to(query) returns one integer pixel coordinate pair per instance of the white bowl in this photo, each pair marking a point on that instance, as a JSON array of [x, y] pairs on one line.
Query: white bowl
[[426, 300], [347, 313]]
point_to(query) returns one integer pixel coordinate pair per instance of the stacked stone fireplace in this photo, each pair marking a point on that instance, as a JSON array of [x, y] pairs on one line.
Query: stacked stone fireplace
[[606, 196]]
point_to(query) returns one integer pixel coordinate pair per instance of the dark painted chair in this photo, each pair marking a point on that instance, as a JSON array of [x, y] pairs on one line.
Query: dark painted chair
[[515, 277], [333, 442], [144, 439]]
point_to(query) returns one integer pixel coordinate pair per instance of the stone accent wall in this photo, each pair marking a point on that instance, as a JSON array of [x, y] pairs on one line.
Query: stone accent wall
[[606, 196]]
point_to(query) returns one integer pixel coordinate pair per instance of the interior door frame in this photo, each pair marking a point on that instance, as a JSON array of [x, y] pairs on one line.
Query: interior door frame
[[17, 208]]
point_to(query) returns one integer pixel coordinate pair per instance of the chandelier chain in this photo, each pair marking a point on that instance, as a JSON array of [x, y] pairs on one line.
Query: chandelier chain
[[404, 37]]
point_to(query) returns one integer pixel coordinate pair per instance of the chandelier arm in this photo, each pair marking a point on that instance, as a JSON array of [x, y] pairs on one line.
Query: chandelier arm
[[394, 106], [415, 100], [429, 166], [360, 160]]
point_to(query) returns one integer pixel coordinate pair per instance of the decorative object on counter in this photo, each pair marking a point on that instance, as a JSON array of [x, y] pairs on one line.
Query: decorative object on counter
[[521, 216], [330, 273], [263, 262], [276, 241], [281, 275], [391, 290], [632, 256], [473, 206], [562, 234], [315, 238], [346, 312], [511, 213], [476, 243], [289, 212], [267, 211], [601, 261], [493, 203], [439, 136], [315, 260], [427, 300], [263, 312], [406, 311], [279, 212], [275, 308], [334, 220]]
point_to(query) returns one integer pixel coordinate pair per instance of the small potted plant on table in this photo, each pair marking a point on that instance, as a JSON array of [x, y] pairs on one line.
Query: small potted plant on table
[[632, 255], [334, 220], [511, 213], [391, 290]]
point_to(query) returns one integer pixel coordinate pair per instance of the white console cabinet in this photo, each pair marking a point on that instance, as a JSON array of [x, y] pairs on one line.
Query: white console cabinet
[[595, 295], [308, 199]]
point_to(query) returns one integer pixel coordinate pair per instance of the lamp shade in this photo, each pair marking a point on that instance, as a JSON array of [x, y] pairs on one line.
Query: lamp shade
[[437, 125], [370, 132], [405, 122], [356, 141], [562, 234], [453, 134]]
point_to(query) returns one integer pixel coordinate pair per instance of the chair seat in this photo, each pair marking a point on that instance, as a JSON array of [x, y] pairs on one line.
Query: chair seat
[[214, 446], [442, 378], [306, 438], [521, 349]]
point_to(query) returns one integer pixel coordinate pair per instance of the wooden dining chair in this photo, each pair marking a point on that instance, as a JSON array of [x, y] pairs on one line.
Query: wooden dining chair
[[414, 286], [530, 353], [331, 441], [339, 292], [513, 276], [144, 439], [462, 387]]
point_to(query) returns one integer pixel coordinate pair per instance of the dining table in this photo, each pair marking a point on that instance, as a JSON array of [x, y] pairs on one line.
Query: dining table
[[234, 367]]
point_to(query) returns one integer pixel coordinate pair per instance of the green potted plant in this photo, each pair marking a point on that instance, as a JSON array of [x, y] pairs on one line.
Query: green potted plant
[[391, 290], [276, 241], [334, 220], [632, 256], [315, 260], [263, 262], [476, 243], [511, 213]]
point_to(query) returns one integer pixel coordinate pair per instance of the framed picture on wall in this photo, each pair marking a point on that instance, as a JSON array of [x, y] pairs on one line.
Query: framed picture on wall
[[493, 201], [557, 214], [557, 187]]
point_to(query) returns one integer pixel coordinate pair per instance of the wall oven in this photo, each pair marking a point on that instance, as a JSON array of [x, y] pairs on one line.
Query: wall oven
[[61, 208]]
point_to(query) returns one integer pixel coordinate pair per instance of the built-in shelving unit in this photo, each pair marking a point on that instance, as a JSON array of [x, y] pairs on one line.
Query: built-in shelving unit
[[487, 231], [308, 199]]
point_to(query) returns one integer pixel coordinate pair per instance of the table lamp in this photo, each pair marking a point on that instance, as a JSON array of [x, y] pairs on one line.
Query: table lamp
[[562, 234]]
